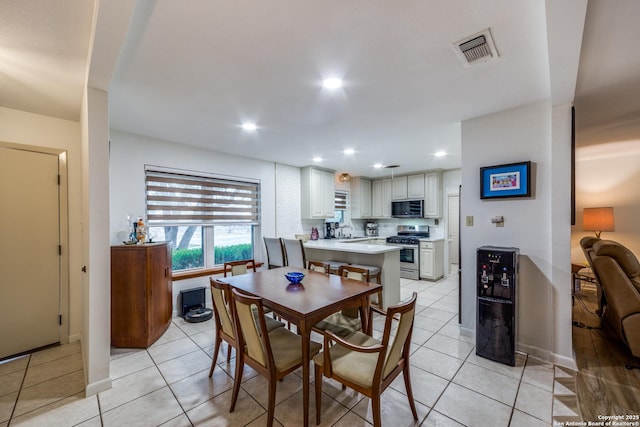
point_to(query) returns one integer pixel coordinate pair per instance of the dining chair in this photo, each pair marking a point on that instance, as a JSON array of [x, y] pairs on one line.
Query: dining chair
[[237, 268], [221, 295], [319, 266], [274, 354], [275, 252], [294, 253], [346, 321], [368, 365]]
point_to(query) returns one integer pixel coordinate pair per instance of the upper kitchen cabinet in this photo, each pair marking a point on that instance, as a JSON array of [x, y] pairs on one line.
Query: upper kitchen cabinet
[[317, 196], [381, 198], [399, 188], [433, 195], [408, 187], [360, 198]]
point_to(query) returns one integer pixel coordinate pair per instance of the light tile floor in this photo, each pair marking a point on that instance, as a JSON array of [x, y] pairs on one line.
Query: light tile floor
[[168, 383]]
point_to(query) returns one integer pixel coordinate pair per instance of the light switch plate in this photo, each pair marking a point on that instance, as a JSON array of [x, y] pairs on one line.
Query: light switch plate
[[469, 221]]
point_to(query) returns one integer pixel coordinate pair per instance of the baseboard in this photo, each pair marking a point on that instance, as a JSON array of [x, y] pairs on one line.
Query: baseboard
[[75, 337], [97, 387]]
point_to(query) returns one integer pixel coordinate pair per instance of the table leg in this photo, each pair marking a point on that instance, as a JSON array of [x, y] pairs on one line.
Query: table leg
[[365, 317], [306, 341]]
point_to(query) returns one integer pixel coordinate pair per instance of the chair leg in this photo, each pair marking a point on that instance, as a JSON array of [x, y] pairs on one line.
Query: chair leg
[[271, 407], [375, 409], [215, 355], [318, 381], [237, 380], [407, 386]]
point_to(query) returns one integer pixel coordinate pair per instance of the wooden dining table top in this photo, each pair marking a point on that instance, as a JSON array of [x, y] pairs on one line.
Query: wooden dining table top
[[318, 293]]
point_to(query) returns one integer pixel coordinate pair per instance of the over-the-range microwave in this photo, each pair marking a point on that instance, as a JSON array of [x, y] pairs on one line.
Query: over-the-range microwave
[[407, 209]]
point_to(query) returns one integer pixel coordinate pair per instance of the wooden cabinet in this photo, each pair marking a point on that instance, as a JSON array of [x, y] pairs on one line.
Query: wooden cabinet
[[360, 198], [432, 259], [381, 198], [433, 195], [317, 193], [408, 187], [141, 293]]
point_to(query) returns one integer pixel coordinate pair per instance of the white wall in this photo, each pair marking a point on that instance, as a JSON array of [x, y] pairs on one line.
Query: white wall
[[608, 174], [96, 287], [41, 131], [510, 136]]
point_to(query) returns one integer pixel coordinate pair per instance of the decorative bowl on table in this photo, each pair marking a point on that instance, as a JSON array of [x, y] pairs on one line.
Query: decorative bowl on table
[[294, 277]]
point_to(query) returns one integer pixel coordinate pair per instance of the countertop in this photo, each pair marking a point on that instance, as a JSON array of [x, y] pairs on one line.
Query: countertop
[[350, 245]]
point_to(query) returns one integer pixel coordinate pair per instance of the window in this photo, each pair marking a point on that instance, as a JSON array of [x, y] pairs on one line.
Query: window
[[208, 220], [341, 200]]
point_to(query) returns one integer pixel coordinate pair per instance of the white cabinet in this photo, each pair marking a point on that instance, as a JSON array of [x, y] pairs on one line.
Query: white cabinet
[[408, 187], [381, 198], [432, 259], [317, 193], [415, 186], [360, 198], [433, 195], [399, 191]]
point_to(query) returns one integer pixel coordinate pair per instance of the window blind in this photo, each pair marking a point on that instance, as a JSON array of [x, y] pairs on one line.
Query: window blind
[[341, 200], [181, 198]]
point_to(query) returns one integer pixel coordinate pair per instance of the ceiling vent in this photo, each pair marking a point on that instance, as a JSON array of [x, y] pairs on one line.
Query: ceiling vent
[[476, 49]]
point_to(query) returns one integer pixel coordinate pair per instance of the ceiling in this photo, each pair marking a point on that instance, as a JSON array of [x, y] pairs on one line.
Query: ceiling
[[192, 72]]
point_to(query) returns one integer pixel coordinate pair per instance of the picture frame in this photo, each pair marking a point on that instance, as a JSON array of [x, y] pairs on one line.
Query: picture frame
[[505, 181]]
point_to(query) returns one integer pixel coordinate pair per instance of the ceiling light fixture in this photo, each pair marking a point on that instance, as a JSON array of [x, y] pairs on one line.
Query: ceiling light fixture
[[349, 151], [440, 153], [332, 83], [345, 177], [378, 166], [317, 159], [249, 127]]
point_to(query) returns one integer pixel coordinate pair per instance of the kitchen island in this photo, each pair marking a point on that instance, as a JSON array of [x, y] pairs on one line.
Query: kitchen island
[[360, 252]]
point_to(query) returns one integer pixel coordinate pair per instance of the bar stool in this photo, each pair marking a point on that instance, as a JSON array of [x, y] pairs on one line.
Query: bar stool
[[334, 266]]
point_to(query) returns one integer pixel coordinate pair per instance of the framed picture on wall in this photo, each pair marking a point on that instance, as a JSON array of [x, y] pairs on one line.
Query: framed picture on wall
[[503, 181]]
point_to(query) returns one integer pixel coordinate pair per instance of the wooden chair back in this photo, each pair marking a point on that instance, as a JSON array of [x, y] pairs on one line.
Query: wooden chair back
[[237, 268], [319, 266]]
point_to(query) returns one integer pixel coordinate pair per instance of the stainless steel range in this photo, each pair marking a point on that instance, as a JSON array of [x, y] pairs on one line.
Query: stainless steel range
[[408, 239]]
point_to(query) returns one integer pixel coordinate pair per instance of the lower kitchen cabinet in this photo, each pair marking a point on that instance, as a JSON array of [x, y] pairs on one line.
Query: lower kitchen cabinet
[[141, 293], [432, 259]]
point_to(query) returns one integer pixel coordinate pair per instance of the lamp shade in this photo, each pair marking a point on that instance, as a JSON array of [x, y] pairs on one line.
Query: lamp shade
[[598, 219]]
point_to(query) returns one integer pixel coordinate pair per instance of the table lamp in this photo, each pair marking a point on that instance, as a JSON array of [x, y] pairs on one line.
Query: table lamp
[[598, 220]]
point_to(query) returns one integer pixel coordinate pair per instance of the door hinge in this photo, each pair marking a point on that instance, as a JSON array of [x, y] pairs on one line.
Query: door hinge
[[59, 249], [60, 319], [59, 179]]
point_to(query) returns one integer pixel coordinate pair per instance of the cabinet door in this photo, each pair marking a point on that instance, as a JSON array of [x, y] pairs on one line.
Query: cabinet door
[[426, 263], [415, 186], [159, 289], [365, 198], [376, 199], [433, 195], [386, 198], [317, 193], [399, 188], [329, 202]]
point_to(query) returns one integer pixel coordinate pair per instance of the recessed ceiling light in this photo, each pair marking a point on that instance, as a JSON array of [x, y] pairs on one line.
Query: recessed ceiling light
[[378, 165], [249, 127], [349, 151], [332, 83], [440, 153], [317, 159]]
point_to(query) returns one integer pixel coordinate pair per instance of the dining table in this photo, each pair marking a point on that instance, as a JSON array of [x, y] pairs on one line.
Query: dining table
[[306, 303]]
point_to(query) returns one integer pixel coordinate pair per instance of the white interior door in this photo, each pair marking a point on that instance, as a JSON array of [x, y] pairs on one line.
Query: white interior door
[[453, 218], [29, 258]]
